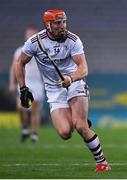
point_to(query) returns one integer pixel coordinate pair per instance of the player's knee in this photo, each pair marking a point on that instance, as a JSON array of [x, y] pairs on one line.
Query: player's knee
[[65, 134], [82, 128]]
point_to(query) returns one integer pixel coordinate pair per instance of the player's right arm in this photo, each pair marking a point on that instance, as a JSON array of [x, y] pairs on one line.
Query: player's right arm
[[26, 96], [20, 68]]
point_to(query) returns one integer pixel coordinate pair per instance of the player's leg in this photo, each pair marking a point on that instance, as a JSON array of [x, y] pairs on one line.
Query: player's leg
[[25, 121], [79, 109], [79, 118], [35, 120], [60, 112], [62, 122]]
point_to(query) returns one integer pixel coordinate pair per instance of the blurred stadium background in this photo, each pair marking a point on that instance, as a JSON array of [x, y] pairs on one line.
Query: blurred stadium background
[[101, 25]]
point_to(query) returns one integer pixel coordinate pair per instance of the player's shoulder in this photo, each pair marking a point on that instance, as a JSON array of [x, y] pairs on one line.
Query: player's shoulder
[[71, 36], [41, 33]]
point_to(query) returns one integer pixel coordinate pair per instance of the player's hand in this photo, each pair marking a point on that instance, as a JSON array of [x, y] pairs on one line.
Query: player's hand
[[26, 97], [67, 81]]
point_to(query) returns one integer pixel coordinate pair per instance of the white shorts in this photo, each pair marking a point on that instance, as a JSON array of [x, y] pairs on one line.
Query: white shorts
[[59, 97]]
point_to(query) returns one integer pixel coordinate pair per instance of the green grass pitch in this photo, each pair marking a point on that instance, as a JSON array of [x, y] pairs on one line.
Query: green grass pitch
[[54, 158]]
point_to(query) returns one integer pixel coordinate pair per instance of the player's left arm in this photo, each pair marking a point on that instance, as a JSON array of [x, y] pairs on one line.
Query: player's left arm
[[80, 73], [78, 56], [82, 68]]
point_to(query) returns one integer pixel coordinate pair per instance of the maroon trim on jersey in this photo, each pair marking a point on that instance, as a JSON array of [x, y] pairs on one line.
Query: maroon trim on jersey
[[34, 39], [72, 37], [43, 35]]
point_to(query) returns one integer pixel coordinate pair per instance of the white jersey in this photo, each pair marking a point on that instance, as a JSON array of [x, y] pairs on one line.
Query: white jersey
[[32, 76], [61, 53]]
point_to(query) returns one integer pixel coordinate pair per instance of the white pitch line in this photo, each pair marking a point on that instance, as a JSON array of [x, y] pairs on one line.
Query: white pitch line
[[78, 146], [60, 164]]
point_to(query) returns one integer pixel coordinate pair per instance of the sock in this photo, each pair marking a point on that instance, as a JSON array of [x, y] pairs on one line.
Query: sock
[[34, 136], [95, 147], [25, 131]]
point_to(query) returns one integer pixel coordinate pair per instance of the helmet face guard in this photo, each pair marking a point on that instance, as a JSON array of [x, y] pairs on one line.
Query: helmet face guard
[[52, 17]]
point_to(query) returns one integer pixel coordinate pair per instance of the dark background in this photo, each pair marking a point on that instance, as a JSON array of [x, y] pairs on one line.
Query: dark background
[[101, 25]]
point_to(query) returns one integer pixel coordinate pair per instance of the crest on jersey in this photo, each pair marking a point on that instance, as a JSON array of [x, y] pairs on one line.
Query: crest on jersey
[[56, 49]]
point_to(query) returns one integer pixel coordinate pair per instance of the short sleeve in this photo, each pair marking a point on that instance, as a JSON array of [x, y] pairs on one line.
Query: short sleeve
[[29, 48], [77, 48]]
